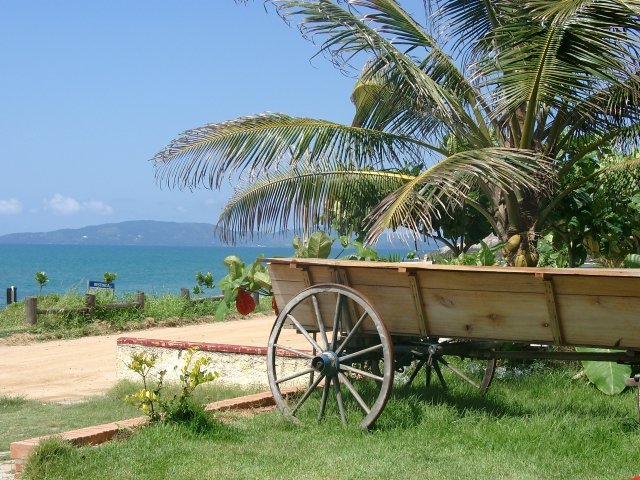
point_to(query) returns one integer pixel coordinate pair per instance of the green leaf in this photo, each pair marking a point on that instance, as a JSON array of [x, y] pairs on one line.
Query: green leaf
[[262, 279], [222, 310], [319, 245], [608, 377], [632, 261]]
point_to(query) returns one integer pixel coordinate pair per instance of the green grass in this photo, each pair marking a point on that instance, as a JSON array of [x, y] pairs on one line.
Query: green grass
[[540, 426], [164, 310], [21, 419]]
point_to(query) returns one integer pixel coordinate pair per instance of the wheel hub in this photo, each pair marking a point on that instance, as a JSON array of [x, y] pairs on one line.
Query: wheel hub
[[326, 363]]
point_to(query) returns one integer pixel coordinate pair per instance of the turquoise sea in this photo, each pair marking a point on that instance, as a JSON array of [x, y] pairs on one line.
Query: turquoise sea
[[153, 270]]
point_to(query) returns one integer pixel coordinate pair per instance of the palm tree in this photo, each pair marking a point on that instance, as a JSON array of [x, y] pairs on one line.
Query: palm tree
[[501, 99]]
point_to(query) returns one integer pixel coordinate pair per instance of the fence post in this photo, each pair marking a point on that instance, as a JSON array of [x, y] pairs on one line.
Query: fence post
[[31, 310], [256, 297], [90, 300], [140, 300], [184, 293], [12, 295]]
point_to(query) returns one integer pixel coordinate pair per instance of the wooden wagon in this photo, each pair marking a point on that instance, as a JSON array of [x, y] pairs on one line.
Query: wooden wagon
[[363, 321]]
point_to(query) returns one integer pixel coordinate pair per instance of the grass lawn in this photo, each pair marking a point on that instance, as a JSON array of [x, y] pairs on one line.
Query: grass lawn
[[538, 426], [21, 419]]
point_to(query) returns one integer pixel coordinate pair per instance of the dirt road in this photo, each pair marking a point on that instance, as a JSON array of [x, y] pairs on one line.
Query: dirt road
[[69, 370]]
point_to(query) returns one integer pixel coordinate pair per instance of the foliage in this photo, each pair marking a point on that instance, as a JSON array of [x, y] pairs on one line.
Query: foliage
[[109, 277], [506, 104], [608, 377], [632, 261], [150, 399], [484, 256], [42, 279], [318, 245], [552, 253], [249, 278], [203, 280], [599, 215]]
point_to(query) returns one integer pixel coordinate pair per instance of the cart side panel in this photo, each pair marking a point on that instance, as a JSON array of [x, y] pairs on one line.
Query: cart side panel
[[599, 311], [487, 315]]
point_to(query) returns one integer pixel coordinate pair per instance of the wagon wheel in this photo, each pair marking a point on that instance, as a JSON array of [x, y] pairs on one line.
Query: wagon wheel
[[332, 379], [448, 357]]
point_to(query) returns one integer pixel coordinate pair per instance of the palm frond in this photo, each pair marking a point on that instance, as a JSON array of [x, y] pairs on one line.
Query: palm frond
[[445, 185], [308, 196], [205, 155], [346, 36]]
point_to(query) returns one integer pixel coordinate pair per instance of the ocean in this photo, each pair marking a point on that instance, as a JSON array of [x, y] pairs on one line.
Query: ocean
[[152, 270]]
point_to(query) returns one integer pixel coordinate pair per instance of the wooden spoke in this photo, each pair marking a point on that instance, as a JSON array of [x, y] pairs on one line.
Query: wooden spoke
[[361, 372], [336, 387], [304, 332], [353, 392], [325, 395], [352, 332], [306, 394], [353, 355], [336, 322], [295, 375], [323, 332], [295, 351]]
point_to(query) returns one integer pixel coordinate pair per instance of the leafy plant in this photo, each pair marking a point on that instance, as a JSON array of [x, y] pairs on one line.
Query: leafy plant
[[109, 277], [632, 261], [203, 280], [42, 279], [150, 399], [608, 377], [240, 282], [318, 245], [485, 256]]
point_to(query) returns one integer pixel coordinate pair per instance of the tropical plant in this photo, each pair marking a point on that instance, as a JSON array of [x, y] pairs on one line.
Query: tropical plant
[[502, 98], [42, 279], [203, 280], [238, 285], [109, 277], [318, 245]]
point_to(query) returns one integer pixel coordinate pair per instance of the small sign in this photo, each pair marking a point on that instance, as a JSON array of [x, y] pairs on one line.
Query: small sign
[[94, 285]]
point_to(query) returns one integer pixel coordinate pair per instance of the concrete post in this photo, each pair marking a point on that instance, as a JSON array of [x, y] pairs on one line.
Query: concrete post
[[31, 310]]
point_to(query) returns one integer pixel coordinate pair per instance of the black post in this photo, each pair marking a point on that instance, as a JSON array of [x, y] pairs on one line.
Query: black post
[[12, 295]]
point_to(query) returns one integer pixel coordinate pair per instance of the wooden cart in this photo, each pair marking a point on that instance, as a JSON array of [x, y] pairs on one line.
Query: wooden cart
[[363, 321]]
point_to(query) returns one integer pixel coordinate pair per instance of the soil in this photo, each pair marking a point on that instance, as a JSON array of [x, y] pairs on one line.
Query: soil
[[69, 370]]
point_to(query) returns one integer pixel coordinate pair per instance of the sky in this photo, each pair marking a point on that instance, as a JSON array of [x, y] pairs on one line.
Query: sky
[[91, 90]]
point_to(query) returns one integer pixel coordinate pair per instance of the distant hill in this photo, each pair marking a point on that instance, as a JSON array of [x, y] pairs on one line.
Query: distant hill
[[151, 233], [139, 232]]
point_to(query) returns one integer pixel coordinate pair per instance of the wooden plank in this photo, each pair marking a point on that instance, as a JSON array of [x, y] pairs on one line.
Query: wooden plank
[[615, 286], [552, 309], [600, 321], [487, 315], [418, 303]]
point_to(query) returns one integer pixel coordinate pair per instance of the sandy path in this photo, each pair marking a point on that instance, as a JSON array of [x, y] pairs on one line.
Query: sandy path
[[69, 370]]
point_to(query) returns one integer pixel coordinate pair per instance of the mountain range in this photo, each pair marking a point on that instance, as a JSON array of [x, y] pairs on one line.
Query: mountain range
[[138, 232], [156, 233]]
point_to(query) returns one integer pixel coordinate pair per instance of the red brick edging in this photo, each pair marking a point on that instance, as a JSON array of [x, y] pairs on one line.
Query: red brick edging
[[201, 346]]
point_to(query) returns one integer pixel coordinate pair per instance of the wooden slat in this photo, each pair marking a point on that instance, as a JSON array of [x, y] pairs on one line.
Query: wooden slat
[[418, 303], [552, 309]]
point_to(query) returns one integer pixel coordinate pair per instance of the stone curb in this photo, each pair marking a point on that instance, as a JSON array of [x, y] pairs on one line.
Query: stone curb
[[98, 434]]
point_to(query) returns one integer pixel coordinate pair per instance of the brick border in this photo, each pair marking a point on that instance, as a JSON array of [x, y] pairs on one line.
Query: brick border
[[201, 346], [98, 434]]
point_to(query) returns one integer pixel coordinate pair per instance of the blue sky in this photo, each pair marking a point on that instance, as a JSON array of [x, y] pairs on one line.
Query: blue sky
[[90, 90]]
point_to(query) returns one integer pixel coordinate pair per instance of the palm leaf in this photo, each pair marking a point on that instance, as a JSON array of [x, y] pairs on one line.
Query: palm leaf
[[303, 197], [205, 155], [445, 186], [347, 36]]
